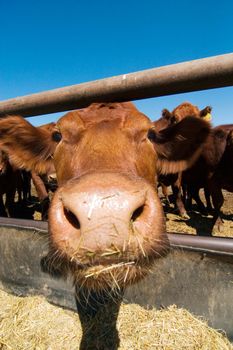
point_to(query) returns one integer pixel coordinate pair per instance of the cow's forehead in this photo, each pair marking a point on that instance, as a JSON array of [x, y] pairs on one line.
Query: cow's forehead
[[185, 109], [124, 114]]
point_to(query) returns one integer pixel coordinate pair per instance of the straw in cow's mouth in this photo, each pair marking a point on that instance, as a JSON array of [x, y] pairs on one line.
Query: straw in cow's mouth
[[109, 268]]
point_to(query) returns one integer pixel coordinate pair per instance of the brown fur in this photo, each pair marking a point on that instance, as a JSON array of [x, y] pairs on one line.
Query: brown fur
[[168, 119], [34, 150], [35, 147], [187, 109]]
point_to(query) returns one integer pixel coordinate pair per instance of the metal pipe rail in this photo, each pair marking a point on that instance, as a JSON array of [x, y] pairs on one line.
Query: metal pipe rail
[[211, 245], [201, 74]]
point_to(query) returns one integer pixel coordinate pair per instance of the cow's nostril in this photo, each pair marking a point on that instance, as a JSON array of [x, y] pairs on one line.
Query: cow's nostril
[[137, 213], [73, 220]]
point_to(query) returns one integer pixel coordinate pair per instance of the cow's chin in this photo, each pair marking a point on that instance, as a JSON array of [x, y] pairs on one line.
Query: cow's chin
[[112, 277]]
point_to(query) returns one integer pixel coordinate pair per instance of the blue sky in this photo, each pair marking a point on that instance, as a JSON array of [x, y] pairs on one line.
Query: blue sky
[[51, 44]]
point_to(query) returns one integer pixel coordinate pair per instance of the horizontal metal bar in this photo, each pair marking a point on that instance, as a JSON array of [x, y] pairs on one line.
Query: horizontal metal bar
[[216, 245], [24, 224], [188, 76]]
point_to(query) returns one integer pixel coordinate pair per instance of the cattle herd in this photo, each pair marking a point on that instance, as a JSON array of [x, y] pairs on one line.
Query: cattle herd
[[106, 219]]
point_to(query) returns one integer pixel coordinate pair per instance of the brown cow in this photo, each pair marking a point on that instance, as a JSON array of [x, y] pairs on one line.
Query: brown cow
[[213, 171], [106, 221], [170, 118]]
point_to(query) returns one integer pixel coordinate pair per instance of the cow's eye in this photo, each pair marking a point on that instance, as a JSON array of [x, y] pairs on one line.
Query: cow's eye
[[151, 135], [56, 136]]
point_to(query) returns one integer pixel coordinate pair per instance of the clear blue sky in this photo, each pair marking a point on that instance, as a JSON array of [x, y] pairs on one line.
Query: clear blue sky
[[51, 44]]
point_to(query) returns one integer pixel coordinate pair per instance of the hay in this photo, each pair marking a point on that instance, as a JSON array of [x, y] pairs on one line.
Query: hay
[[32, 323]]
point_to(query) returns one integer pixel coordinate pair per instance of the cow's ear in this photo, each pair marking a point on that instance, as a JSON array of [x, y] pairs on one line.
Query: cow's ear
[[27, 147], [179, 145], [166, 114], [206, 113]]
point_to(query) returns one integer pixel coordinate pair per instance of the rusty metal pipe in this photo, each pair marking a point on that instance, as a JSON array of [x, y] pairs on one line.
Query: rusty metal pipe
[[201, 74], [214, 245], [36, 225]]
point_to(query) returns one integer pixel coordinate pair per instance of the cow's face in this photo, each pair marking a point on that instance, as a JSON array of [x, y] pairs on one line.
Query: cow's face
[[182, 111], [106, 217], [106, 222]]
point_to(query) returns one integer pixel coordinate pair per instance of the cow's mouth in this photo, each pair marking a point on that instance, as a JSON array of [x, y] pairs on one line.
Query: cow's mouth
[[101, 273], [114, 276]]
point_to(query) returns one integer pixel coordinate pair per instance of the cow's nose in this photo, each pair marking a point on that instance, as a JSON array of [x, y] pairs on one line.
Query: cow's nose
[[105, 214], [84, 209]]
